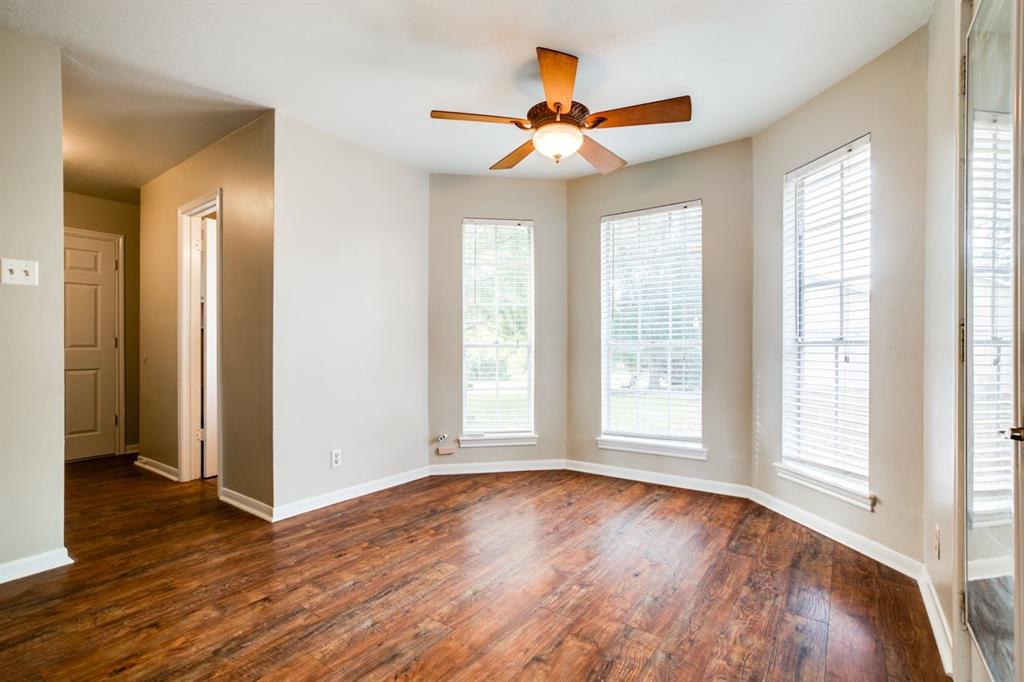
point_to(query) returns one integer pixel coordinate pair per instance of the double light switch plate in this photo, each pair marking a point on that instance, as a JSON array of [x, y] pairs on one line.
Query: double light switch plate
[[19, 272]]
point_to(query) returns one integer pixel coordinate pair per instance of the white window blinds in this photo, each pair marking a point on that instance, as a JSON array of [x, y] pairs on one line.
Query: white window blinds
[[651, 314], [497, 326], [991, 297], [826, 311]]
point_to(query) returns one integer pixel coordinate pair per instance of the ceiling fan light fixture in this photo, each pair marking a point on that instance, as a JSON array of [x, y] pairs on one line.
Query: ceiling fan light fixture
[[558, 140], [557, 123]]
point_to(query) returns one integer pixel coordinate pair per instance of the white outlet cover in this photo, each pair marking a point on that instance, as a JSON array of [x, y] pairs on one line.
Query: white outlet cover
[[19, 272]]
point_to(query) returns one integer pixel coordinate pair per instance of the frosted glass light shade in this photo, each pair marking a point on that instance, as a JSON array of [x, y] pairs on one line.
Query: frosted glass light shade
[[557, 140]]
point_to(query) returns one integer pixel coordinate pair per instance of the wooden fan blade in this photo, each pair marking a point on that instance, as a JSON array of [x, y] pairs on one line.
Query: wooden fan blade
[[558, 73], [599, 156], [479, 118], [675, 110], [520, 153]]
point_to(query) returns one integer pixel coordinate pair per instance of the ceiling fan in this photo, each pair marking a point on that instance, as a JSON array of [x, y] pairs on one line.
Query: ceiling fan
[[559, 121]]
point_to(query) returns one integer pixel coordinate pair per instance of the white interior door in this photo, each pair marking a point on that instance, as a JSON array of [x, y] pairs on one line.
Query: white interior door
[[203, 356], [90, 354], [210, 366]]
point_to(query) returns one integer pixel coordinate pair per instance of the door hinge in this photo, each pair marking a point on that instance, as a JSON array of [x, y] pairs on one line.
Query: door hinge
[[963, 609], [115, 343], [116, 419], [963, 75], [117, 264], [201, 434], [963, 342]]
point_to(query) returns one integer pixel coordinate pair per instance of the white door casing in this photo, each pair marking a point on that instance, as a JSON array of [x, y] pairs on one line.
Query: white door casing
[[199, 231], [91, 338]]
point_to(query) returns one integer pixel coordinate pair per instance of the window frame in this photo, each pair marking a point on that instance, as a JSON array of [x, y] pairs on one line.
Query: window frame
[[832, 481], [471, 438], [994, 515], [683, 447]]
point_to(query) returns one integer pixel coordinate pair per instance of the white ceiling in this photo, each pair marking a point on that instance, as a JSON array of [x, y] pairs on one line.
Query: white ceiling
[[124, 127], [148, 81]]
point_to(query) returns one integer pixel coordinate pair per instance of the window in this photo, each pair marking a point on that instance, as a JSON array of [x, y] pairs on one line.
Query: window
[[826, 325], [497, 333], [991, 309], [651, 314]]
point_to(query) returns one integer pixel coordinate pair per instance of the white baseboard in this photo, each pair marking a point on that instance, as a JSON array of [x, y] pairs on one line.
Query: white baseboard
[[496, 467], [37, 563], [132, 449], [248, 504], [156, 467], [687, 482], [291, 509], [875, 550], [937, 619]]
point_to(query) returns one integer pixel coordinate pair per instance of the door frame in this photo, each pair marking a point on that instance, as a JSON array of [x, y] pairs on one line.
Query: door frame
[[189, 467], [964, 642], [119, 383], [1018, 311]]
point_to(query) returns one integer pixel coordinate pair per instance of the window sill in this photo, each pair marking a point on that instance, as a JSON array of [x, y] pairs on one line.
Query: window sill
[[497, 440], [653, 446], [815, 481]]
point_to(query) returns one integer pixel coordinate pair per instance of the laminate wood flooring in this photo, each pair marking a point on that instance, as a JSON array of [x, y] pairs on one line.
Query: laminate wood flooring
[[533, 575]]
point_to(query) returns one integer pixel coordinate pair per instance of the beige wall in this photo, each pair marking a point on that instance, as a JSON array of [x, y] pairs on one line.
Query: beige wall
[[940, 304], [32, 318], [350, 314], [452, 198], [720, 177], [103, 215], [887, 99], [242, 164]]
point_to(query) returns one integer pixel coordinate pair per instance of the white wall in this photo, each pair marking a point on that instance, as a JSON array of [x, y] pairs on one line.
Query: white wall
[[720, 177], [940, 303], [452, 198], [31, 318], [887, 99], [350, 313]]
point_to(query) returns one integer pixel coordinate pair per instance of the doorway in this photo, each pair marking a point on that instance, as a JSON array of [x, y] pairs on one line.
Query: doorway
[[199, 454], [93, 346]]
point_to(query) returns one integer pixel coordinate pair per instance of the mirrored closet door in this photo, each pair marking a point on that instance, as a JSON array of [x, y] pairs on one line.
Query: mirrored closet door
[[992, 337]]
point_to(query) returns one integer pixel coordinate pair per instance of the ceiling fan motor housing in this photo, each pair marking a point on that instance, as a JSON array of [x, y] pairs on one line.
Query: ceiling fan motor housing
[[540, 114]]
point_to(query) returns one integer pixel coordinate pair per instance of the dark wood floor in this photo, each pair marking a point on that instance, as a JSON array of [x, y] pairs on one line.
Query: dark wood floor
[[534, 575]]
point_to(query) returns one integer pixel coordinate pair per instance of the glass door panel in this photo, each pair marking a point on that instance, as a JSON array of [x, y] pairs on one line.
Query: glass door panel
[[991, 337]]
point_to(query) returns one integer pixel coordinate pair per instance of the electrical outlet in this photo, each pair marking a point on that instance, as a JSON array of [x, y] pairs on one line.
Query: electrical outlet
[[335, 458], [938, 542]]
